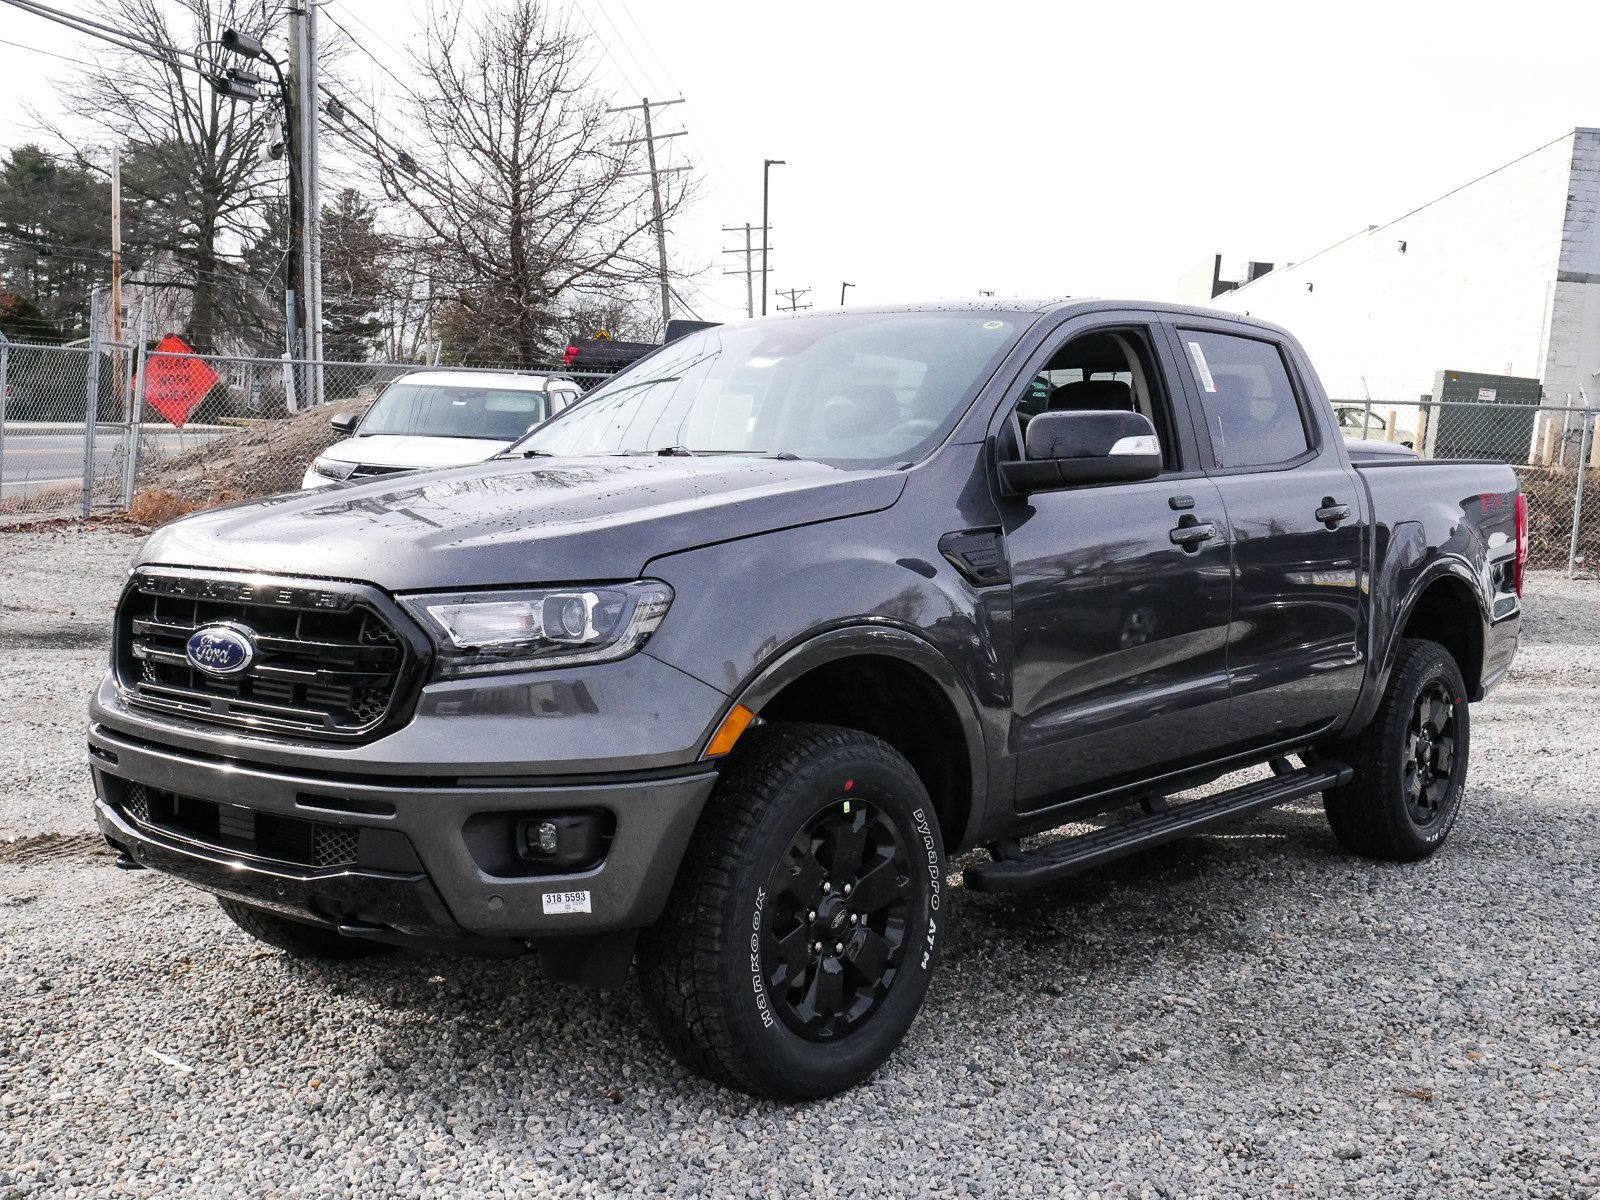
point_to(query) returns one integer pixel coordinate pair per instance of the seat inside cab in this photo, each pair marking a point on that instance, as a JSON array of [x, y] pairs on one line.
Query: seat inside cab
[[1096, 372]]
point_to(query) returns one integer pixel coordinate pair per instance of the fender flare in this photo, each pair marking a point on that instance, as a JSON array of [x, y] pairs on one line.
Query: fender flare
[[1442, 567], [882, 640]]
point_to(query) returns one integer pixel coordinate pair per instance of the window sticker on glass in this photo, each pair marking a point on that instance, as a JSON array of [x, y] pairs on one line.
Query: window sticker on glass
[[1200, 366]]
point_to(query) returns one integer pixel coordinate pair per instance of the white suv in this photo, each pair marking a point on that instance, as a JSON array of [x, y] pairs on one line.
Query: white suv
[[431, 419]]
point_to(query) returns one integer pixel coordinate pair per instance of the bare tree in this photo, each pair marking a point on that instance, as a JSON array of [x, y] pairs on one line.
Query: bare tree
[[193, 177], [520, 182]]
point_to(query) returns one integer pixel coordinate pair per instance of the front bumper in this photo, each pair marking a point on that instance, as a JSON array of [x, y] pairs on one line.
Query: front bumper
[[448, 875]]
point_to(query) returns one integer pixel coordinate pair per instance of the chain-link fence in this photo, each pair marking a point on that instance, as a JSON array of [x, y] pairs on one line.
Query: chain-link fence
[[255, 427], [173, 432], [65, 415], [1554, 448], [107, 427]]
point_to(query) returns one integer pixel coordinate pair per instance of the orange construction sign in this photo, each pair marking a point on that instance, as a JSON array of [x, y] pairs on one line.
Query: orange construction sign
[[176, 379]]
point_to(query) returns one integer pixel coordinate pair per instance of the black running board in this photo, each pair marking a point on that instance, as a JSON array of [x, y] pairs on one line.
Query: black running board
[[1057, 860]]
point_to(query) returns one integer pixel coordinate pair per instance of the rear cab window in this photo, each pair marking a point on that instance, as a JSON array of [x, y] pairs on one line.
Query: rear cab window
[[1252, 412]]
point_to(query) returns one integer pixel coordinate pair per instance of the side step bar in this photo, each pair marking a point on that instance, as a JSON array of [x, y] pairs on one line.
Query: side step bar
[[1057, 860]]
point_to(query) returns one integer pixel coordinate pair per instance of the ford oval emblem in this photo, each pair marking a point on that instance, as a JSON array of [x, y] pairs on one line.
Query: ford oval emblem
[[221, 649]]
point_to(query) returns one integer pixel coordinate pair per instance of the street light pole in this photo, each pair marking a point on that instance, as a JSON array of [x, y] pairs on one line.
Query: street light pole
[[842, 287], [766, 225]]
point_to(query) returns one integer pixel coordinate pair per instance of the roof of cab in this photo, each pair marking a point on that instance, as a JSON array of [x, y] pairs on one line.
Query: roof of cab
[[1057, 305], [532, 381]]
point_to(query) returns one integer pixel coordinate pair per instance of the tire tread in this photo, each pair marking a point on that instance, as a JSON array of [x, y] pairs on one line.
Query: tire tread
[[677, 958], [1364, 814]]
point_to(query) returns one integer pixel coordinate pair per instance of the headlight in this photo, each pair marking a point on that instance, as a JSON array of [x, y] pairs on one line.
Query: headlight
[[478, 633], [332, 468]]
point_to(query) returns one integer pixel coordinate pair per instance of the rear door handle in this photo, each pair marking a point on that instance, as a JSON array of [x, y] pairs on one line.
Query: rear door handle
[[1191, 531], [1332, 512]]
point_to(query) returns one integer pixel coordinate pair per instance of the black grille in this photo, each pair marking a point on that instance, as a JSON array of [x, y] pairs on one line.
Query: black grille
[[372, 470], [232, 827], [327, 662]]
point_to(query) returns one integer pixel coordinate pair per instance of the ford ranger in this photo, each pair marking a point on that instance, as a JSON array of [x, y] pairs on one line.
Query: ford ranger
[[708, 675]]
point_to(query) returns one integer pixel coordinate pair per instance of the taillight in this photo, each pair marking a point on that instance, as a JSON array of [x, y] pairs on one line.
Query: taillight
[[1522, 538]]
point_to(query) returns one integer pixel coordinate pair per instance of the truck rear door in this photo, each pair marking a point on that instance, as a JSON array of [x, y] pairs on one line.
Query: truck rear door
[[1298, 523]]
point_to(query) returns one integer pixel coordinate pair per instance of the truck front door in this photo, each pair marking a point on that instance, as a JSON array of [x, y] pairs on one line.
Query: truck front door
[[1120, 592]]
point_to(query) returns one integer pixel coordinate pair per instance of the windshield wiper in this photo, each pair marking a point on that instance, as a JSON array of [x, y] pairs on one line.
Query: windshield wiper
[[538, 454]]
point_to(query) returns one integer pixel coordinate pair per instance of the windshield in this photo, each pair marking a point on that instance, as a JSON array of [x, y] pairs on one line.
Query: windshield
[[455, 411], [876, 387]]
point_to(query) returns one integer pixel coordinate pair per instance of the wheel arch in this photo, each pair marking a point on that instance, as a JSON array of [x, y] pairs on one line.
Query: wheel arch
[[1446, 606], [889, 682]]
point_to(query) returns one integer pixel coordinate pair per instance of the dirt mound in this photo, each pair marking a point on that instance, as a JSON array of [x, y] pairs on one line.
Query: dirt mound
[[263, 459]]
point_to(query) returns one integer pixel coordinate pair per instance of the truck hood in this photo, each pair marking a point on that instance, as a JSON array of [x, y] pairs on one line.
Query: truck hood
[[515, 521]]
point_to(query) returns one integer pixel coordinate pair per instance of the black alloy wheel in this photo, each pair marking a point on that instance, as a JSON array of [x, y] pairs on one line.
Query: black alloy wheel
[[835, 934], [807, 918], [1409, 762], [1427, 768]]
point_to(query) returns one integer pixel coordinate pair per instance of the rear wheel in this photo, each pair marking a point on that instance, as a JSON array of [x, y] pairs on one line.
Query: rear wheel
[[805, 924], [1410, 762], [297, 938]]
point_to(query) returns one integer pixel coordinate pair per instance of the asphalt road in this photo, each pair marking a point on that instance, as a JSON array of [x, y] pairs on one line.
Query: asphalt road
[[35, 456]]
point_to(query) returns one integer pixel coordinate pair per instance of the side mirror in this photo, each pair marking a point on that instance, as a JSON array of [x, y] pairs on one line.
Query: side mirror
[[345, 422], [1063, 449]]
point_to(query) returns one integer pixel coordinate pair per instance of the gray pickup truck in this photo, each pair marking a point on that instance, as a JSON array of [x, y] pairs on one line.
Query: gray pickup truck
[[709, 673]]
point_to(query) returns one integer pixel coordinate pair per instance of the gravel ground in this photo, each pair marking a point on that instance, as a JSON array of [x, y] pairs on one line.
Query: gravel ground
[[1254, 1014]]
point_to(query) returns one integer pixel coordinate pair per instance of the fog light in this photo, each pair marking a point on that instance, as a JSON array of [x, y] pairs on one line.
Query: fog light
[[564, 842]]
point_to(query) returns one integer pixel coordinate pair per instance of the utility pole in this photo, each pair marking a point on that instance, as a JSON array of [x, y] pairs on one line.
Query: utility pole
[[766, 223], [240, 84], [842, 287], [116, 274], [116, 244], [303, 74], [793, 296], [655, 173], [749, 271]]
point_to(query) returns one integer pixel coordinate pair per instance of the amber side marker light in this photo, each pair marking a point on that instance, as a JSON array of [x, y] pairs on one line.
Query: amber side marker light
[[734, 724]]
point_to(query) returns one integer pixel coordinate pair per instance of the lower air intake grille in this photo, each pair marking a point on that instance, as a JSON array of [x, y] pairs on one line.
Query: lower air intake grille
[[233, 827]]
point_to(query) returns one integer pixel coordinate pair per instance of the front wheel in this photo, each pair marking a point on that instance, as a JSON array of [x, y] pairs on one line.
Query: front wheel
[[806, 920], [1410, 762]]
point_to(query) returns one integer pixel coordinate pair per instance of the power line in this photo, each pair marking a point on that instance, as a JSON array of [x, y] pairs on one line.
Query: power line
[[686, 305], [36, 50], [123, 39], [361, 46]]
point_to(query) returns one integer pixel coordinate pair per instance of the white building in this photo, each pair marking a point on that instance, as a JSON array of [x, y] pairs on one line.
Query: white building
[[1501, 276]]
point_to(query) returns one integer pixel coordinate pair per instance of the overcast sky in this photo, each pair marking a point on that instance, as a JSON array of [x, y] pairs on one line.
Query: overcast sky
[[1046, 148]]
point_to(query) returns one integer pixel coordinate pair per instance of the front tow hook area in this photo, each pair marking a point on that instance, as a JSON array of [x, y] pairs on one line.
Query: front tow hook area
[[125, 857]]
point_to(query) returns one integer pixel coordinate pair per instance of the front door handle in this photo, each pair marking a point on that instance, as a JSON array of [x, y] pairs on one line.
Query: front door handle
[[1191, 531], [1332, 512]]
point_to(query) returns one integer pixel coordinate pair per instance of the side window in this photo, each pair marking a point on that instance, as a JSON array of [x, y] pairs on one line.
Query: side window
[[1249, 403], [1106, 369]]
